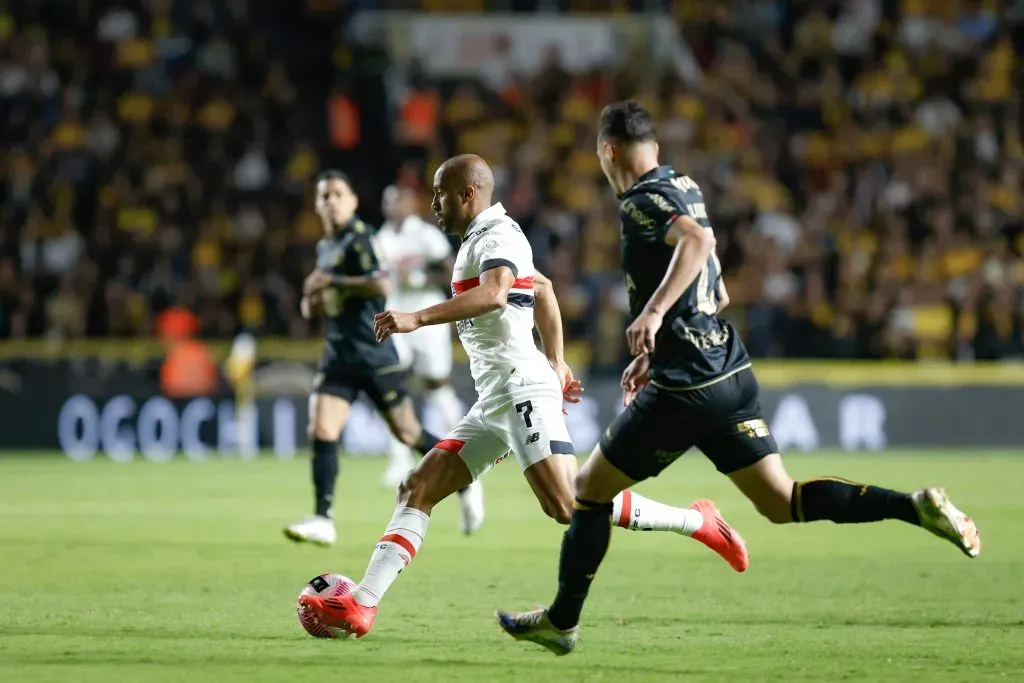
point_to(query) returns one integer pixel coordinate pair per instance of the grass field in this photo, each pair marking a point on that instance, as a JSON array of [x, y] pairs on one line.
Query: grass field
[[178, 572]]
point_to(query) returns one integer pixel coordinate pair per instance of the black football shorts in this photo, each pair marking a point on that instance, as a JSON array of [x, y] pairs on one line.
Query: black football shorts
[[385, 387], [722, 419]]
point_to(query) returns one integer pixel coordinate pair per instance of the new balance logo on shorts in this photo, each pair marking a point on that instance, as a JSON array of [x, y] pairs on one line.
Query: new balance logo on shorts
[[533, 438]]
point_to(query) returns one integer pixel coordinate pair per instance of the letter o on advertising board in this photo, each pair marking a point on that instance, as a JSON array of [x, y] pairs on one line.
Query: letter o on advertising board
[[78, 428], [117, 434], [158, 429]]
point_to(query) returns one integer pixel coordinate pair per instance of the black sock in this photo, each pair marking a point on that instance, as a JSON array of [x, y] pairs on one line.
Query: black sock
[[847, 502], [583, 547], [325, 472], [426, 442]]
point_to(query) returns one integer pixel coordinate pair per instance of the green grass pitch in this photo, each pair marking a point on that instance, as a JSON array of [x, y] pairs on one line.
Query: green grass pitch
[[179, 572]]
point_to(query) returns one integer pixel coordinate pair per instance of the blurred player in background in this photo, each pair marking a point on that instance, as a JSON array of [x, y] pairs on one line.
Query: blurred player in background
[[691, 384], [348, 288], [520, 396], [418, 259], [240, 370]]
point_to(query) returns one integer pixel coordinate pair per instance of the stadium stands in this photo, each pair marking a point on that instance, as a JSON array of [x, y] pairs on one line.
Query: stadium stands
[[862, 163]]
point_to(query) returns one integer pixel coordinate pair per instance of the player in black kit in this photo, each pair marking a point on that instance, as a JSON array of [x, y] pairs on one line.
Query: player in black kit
[[690, 384], [348, 289]]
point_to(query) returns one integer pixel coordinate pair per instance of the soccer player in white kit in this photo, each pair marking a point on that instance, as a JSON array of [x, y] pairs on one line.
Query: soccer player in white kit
[[520, 397], [410, 248]]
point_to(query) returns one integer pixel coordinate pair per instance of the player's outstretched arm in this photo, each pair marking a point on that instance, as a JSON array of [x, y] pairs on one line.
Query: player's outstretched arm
[[693, 245], [371, 286], [490, 295]]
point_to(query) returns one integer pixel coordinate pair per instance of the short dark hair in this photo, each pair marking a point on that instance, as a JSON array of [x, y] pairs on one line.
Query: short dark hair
[[627, 122], [334, 174]]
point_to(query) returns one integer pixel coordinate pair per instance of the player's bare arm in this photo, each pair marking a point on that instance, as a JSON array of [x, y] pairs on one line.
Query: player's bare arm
[[723, 295], [693, 245], [491, 295], [371, 285], [548, 321]]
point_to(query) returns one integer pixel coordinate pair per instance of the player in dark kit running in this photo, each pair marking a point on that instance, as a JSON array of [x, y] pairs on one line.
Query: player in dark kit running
[[691, 384], [348, 289]]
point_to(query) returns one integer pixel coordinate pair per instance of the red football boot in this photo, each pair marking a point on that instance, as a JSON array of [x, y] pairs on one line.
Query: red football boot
[[720, 537], [341, 612]]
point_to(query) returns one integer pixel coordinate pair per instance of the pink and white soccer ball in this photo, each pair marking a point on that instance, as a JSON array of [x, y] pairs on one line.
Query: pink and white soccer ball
[[329, 586]]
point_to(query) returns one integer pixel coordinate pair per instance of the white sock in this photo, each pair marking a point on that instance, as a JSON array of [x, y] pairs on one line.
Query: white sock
[[632, 511], [396, 548], [446, 402], [399, 455]]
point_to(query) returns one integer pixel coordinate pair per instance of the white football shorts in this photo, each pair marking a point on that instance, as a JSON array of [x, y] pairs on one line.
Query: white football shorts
[[526, 420]]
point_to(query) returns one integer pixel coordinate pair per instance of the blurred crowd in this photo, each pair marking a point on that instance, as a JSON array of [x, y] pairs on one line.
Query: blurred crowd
[[157, 160], [862, 164]]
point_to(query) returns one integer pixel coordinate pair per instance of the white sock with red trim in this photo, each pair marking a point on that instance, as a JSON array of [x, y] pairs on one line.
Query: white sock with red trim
[[396, 548], [632, 511]]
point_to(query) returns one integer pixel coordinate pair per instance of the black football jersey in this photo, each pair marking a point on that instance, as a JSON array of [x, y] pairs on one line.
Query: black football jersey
[[694, 346], [348, 317]]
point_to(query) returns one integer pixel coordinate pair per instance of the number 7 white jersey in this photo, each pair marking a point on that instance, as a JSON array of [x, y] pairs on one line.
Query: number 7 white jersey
[[500, 344], [519, 404]]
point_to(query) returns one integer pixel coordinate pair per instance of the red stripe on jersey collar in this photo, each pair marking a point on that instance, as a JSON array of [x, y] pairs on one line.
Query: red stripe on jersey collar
[[462, 286]]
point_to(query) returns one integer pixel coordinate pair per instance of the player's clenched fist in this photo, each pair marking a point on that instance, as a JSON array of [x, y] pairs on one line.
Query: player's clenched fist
[[393, 322]]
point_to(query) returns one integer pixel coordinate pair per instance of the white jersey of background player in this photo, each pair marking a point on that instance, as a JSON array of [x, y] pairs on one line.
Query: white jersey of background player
[[411, 251], [520, 394]]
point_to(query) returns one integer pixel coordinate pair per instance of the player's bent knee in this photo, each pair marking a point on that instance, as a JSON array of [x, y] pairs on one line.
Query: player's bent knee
[[581, 482], [323, 431], [775, 514], [768, 486], [599, 480], [585, 474], [404, 426], [327, 415], [774, 506]]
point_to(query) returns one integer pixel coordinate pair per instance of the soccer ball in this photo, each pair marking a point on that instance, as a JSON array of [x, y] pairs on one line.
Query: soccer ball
[[327, 585]]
